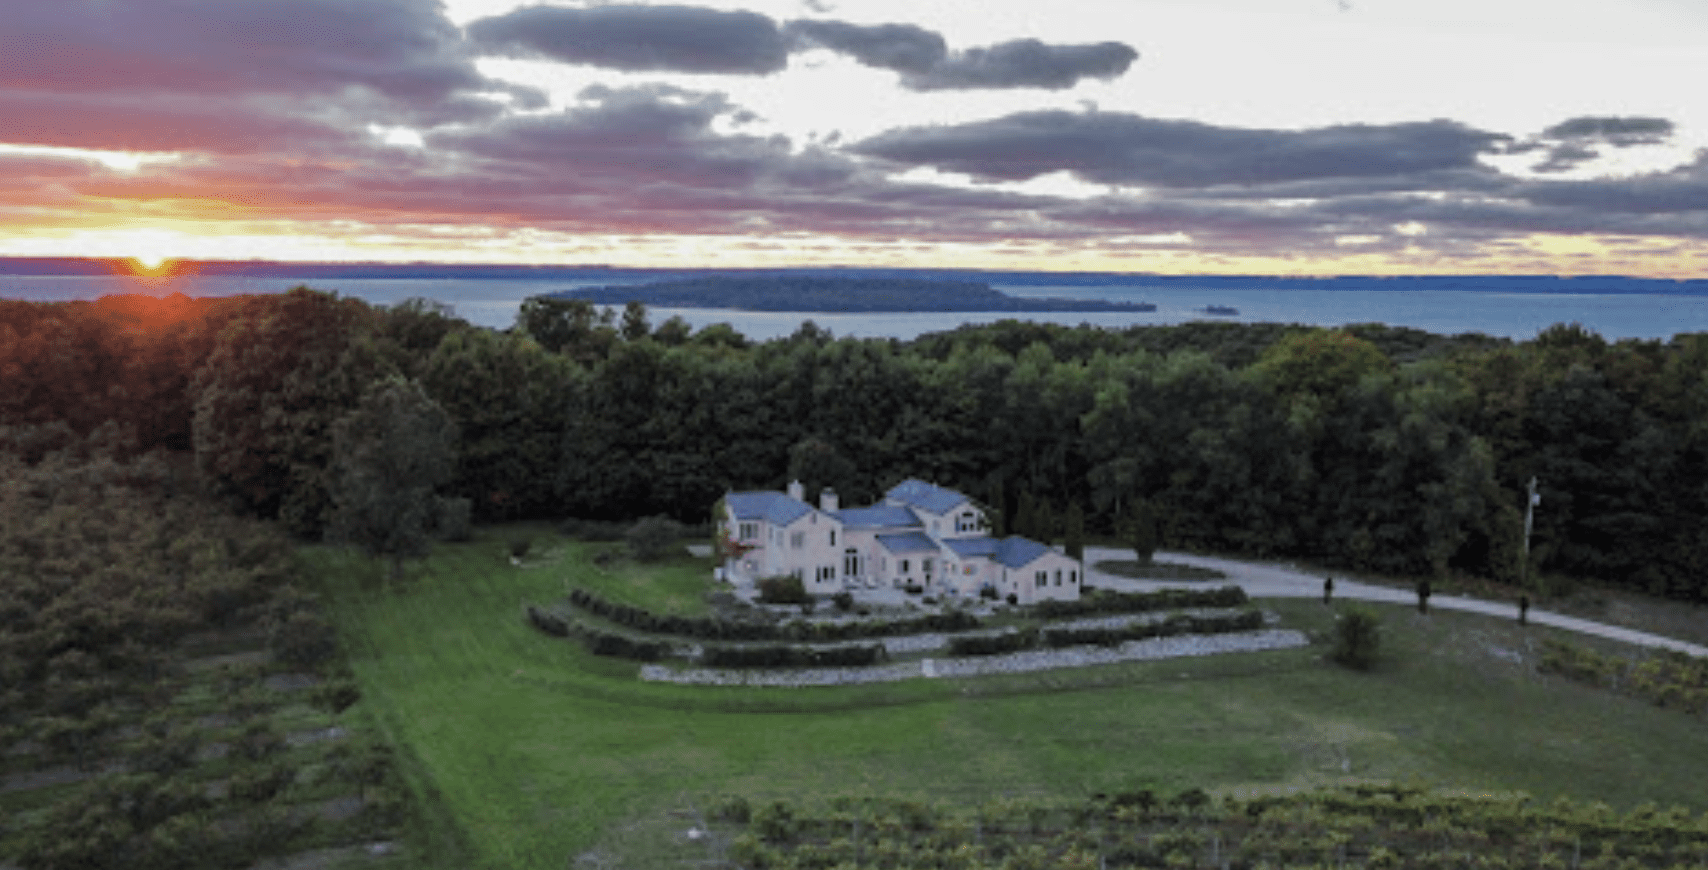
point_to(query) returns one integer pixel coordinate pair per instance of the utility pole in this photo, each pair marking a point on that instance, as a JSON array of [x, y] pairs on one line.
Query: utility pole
[[1529, 517]]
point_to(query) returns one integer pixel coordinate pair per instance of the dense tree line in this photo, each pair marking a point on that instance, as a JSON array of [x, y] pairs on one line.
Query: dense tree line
[[1373, 447]]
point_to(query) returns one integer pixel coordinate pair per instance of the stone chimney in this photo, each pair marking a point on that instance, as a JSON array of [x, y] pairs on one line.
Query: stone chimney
[[796, 491], [827, 500]]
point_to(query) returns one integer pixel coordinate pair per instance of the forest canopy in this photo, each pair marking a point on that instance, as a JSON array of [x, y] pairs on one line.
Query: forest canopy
[[1374, 447]]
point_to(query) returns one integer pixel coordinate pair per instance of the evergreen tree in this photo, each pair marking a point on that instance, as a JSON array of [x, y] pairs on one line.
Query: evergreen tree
[[1073, 532], [1025, 516]]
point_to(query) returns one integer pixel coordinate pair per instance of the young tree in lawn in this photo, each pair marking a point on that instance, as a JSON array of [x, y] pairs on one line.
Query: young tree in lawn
[[1141, 530], [389, 454]]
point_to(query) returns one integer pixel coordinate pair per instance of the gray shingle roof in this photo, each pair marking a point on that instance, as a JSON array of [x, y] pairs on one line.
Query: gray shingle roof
[[772, 507], [908, 542], [878, 517], [924, 495]]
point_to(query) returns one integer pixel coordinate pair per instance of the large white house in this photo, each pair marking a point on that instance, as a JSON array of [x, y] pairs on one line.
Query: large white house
[[920, 535]]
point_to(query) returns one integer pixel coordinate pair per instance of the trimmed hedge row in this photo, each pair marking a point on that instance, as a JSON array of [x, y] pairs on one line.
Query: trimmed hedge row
[[550, 623], [1055, 638], [1249, 620], [600, 643], [781, 656], [1106, 601], [712, 628], [993, 644]]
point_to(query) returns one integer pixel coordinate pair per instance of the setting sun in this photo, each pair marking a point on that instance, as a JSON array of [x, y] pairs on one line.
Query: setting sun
[[151, 265]]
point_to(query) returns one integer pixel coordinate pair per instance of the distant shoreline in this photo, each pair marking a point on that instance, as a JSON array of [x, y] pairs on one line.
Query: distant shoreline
[[831, 294]]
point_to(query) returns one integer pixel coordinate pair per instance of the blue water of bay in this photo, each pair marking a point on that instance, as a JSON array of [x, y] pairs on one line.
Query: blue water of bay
[[494, 304]]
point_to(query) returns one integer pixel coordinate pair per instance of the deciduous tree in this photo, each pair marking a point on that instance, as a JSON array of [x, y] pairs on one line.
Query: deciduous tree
[[390, 453]]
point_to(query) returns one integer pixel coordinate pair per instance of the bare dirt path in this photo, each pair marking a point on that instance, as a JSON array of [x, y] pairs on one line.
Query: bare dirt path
[[1269, 580]]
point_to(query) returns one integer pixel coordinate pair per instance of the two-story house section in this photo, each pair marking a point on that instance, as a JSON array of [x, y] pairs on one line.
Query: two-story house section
[[770, 534], [921, 537], [943, 513]]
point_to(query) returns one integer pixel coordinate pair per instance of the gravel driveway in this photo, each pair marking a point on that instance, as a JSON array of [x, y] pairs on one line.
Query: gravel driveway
[[1269, 580]]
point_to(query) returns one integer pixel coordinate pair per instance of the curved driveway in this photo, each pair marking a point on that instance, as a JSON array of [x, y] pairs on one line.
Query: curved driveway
[[1261, 580]]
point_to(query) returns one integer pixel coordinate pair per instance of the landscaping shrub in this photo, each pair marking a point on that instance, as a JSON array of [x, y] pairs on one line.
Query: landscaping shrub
[[844, 601], [520, 547], [1357, 638], [451, 518], [549, 623], [783, 589], [652, 538]]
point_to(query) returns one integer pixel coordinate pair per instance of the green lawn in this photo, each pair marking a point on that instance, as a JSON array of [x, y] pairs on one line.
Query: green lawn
[[539, 752]]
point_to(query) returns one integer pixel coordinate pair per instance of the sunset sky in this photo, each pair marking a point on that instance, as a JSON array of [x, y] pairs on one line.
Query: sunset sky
[[1238, 136]]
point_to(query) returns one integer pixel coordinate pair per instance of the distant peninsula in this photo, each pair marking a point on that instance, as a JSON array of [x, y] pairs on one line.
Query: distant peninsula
[[832, 294]]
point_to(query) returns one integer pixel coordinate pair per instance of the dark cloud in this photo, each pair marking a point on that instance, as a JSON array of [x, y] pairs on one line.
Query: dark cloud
[[692, 39], [1573, 142], [402, 51], [639, 38], [1681, 191], [217, 74], [640, 135], [923, 57], [900, 47], [1128, 149], [1566, 156], [1622, 131], [1025, 63]]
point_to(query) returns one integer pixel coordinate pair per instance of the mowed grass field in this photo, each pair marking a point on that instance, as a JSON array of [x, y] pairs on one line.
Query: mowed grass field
[[529, 752]]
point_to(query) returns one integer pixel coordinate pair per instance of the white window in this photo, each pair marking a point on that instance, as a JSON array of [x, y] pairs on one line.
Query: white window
[[798, 540], [1041, 577], [903, 569], [925, 565], [967, 522], [1073, 577], [1058, 576], [749, 531], [833, 537]]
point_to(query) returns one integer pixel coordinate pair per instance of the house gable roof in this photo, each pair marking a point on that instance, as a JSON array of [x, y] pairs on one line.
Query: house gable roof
[[925, 496], [883, 516], [773, 507], [1017, 552]]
